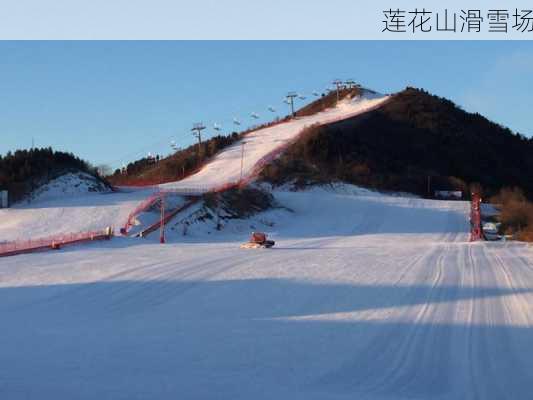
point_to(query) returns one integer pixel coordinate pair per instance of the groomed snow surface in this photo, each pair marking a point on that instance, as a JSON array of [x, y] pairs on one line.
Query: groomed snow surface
[[66, 205], [365, 296]]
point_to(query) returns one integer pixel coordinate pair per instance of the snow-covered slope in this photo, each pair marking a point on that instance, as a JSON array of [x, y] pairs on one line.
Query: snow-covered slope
[[365, 296], [226, 166], [66, 209], [75, 202], [68, 185]]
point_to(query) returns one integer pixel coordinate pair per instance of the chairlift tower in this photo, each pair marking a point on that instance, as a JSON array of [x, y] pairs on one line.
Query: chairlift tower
[[290, 99], [350, 83], [337, 83], [197, 132]]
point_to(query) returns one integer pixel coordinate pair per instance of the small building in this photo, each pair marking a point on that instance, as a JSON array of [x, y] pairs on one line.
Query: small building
[[448, 194], [4, 200]]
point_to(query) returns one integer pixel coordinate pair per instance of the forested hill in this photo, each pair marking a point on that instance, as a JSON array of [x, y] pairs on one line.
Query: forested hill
[[414, 138], [25, 170]]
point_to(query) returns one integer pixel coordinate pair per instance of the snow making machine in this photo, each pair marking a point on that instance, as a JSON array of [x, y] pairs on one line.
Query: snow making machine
[[258, 240]]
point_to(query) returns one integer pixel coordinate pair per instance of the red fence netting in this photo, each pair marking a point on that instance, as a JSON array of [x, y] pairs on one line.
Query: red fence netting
[[52, 242]]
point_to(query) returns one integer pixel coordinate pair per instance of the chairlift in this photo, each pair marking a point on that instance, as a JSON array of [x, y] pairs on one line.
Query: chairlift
[[236, 121], [271, 109], [151, 158], [254, 115], [350, 83], [217, 127]]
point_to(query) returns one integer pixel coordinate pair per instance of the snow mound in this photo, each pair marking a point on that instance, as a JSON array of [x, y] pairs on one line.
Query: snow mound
[[69, 184]]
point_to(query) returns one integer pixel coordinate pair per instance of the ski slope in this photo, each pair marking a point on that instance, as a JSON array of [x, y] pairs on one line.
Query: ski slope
[[365, 296], [65, 206], [225, 168]]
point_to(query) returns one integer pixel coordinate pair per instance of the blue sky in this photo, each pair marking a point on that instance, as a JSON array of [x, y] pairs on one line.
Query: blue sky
[[112, 102]]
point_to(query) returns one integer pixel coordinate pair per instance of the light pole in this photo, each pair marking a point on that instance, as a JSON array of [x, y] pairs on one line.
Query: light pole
[[242, 160]]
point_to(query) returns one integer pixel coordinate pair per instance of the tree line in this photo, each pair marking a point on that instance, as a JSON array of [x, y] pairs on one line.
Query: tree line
[[154, 170], [22, 171]]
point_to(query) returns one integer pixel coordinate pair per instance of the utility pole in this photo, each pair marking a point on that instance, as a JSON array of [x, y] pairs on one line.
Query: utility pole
[[337, 83], [290, 99]]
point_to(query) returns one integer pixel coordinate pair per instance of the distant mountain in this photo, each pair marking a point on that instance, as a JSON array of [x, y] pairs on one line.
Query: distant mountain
[[415, 142]]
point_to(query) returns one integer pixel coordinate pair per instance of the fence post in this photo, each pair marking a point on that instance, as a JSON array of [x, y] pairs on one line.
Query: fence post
[[475, 218]]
